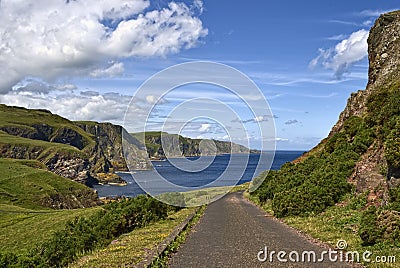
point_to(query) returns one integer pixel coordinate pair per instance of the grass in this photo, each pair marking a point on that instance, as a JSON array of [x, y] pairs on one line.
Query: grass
[[340, 222], [129, 249], [24, 222], [204, 196], [26, 118], [36, 145], [23, 185], [163, 259], [22, 229]]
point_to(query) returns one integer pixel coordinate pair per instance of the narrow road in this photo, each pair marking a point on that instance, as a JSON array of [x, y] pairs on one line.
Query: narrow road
[[233, 231]]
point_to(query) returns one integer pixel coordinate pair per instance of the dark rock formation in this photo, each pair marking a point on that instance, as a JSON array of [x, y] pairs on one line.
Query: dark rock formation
[[373, 173]]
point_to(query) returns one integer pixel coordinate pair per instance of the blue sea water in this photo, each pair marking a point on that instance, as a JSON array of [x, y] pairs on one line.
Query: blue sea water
[[180, 174]]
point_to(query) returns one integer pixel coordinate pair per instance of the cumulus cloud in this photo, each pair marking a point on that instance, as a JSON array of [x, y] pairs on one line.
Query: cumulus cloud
[[54, 38], [344, 55], [151, 99], [89, 105], [90, 93], [198, 4], [257, 119], [37, 86], [117, 68], [204, 128]]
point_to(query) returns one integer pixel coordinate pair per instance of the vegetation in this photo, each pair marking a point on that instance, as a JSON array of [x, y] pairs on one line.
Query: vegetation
[[84, 234], [187, 146], [30, 123], [320, 180], [304, 193], [343, 222], [26, 184], [163, 259], [21, 229], [130, 248]]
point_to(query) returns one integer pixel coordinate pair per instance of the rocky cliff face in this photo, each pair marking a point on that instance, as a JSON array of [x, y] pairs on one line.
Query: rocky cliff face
[[177, 146], [74, 150], [106, 154], [377, 105], [384, 64]]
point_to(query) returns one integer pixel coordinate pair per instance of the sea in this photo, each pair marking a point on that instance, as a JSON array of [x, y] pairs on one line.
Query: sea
[[193, 173]]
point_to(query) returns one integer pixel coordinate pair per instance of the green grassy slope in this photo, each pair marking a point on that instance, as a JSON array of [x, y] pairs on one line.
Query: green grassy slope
[[25, 183], [25, 219], [29, 120], [22, 229]]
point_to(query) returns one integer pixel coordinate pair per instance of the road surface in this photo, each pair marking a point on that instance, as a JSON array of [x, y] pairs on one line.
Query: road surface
[[235, 233]]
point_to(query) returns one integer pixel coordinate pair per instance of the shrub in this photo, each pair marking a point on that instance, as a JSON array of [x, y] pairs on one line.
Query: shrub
[[85, 234], [368, 229]]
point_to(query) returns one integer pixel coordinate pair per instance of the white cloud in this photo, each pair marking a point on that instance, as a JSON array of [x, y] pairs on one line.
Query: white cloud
[[344, 55], [36, 86], [368, 23], [74, 107], [337, 37], [151, 99], [204, 128], [53, 38], [374, 13], [281, 139], [257, 119], [198, 4], [117, 68], [260, 118]]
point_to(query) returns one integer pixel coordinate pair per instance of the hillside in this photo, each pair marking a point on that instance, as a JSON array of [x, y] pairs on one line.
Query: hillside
[[157, 143], [27, 184], [75, 150], [361, 155]]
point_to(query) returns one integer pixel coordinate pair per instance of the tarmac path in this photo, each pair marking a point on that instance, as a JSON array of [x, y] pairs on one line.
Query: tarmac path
[[233, 231]]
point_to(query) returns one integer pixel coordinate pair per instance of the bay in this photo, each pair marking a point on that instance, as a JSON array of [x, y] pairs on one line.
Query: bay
[[181, 174]]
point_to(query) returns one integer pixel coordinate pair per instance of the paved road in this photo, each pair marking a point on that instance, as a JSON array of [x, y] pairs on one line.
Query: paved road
[[233, 231]]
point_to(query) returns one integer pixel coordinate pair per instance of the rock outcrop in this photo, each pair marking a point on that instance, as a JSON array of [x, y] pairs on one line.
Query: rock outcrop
[[373, 173], [159, 144], [74, 150]]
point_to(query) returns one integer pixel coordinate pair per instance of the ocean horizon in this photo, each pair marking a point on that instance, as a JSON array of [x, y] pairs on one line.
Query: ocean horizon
[[182, 177]]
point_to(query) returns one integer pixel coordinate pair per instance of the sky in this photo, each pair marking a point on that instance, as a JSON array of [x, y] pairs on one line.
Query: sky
[[87, 60]]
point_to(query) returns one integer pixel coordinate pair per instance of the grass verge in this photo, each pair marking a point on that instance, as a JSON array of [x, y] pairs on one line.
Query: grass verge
[[129, 249], [163, 259], [340, 222]]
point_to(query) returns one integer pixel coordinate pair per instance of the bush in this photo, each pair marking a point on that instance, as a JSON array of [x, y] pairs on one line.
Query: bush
[[319, 181], [85, 234], [380, 226], [392, 145], [368, 229]]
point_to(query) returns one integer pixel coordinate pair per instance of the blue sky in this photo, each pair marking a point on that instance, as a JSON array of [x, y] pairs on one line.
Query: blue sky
[[305, 56]]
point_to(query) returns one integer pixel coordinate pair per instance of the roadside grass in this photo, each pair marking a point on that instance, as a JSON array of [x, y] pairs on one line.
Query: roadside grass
[[340, 222], [164, 258], [267, 206], [207, 195], [129, 249], [22, 229]]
